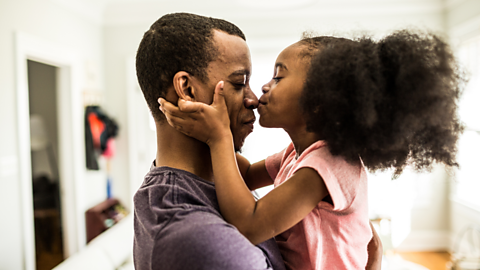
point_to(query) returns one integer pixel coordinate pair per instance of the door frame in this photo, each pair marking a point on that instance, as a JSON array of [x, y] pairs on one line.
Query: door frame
[[70, 133]]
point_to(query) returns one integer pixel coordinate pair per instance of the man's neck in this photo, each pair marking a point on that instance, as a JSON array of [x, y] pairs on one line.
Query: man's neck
[[176, 150]]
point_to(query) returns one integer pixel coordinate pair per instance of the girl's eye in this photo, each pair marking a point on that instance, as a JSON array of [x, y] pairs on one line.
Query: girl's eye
[[277, 79]]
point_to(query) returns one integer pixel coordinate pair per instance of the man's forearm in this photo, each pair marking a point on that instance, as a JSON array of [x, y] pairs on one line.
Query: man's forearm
[[375, 251]]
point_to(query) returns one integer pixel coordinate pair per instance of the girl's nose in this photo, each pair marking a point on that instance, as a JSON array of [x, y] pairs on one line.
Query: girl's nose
[[265, 88]]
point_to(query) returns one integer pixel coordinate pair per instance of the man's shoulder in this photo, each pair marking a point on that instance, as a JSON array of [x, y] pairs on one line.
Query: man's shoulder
[[170, 177], [176, 186], [163, 174], [169, 195]]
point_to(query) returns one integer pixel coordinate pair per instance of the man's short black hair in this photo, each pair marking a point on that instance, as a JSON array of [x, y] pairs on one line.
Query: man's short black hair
[[176, 42]]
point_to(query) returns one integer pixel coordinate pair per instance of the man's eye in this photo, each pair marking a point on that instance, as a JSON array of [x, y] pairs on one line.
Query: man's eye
[[277, 79], [238, 85]]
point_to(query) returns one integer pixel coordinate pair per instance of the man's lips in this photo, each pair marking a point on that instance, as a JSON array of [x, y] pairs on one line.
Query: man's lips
[[250, 123]]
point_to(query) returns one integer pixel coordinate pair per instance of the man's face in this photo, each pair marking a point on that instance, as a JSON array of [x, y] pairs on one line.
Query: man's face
[[233, 66]]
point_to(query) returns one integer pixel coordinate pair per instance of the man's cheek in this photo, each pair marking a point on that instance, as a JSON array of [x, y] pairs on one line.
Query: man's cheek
[[232, 121]]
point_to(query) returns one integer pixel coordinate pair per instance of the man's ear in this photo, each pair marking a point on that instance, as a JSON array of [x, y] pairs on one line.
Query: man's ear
[[183, 85]]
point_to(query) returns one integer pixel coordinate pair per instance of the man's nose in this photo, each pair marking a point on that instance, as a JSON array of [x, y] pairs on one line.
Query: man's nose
[[250, 101]]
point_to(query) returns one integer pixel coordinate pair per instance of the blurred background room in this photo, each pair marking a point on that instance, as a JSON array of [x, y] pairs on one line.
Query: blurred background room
[[67, 73]]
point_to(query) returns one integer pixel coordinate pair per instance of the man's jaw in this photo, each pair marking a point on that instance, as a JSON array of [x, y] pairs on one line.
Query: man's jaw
[[248, 124]]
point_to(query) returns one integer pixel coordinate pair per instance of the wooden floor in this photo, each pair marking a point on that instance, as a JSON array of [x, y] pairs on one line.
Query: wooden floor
[[431, 260], [48, 242]]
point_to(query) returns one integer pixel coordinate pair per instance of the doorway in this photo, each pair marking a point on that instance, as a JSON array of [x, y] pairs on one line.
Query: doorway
[[67, 66], [44, 144]]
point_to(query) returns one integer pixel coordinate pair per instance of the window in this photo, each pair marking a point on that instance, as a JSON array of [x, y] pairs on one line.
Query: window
[[467, 184]]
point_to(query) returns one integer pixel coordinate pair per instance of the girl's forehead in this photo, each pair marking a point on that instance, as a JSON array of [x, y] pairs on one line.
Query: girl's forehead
[[290, 57], [291, 51]]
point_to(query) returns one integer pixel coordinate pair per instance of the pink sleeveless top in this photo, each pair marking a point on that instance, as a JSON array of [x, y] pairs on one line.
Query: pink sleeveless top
[[331, 236]]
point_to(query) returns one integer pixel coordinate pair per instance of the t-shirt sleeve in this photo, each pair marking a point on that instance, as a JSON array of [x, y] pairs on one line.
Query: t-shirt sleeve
[[340, 177], [273, 163]]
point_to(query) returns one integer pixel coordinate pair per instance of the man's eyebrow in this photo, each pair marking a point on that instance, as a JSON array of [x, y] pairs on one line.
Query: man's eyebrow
[[240, 72], [281, 65]]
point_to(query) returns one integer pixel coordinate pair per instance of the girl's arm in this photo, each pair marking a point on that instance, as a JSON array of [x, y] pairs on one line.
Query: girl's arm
[[277, 211], [255, 175], [259, 220]]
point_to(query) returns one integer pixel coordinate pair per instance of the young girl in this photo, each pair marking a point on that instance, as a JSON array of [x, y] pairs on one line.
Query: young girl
[[346, 105]]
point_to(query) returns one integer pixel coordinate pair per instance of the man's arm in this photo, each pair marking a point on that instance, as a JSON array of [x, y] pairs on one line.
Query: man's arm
[[375, 251]]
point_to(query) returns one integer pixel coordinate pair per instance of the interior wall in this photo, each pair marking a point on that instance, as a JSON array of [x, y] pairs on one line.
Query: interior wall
[[423, 200], [120, 45], [267, 37], [464, 218], [463, 23], [268, 32], [421, 210], [55, 24], [462, 13], [114, 43]]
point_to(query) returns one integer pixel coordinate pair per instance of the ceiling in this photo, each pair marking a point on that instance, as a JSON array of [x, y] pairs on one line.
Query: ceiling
[[113, 12]]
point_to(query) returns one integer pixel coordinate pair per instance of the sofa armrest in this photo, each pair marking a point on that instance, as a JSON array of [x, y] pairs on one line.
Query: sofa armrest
[[108, 251]]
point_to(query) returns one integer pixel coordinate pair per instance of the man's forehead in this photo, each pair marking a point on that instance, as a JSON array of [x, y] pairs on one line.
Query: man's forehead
[[232, 60], [240, 72], [232, 53]]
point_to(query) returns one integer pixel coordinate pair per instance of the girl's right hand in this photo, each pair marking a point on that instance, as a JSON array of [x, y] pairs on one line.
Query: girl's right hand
[[206, 123]]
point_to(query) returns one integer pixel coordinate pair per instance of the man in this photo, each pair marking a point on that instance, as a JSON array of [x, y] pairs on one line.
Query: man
[[177, 219]]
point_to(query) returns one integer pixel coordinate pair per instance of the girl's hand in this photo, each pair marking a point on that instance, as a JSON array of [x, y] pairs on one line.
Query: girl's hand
[[206, 123]]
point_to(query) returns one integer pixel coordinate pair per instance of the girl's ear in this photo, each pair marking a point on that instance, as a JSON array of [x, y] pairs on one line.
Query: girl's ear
[[183, 84]]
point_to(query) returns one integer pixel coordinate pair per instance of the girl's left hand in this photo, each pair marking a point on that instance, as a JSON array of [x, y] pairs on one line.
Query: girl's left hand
[[206, 123]]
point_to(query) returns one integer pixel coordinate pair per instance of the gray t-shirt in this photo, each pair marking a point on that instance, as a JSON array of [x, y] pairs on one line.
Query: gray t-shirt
[[178, 225]]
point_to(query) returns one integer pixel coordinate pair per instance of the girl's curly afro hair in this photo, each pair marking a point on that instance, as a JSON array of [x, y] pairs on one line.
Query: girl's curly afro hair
[[392, 102]]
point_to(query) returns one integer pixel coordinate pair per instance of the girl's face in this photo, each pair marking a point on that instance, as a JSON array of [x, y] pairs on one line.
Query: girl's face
[[279, 105]]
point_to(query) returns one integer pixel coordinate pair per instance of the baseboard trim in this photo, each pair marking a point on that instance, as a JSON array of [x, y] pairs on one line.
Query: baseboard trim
[[434, 240]]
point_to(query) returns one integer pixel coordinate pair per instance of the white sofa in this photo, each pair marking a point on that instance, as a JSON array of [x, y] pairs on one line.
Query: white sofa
[[111, 250]]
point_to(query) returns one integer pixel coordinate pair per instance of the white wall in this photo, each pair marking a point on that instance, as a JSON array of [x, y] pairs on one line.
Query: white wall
[[120, 45], [109, 46], [423, 203], [418, 213], [463, 24], [268, 31], [54, 24], [417, 205]]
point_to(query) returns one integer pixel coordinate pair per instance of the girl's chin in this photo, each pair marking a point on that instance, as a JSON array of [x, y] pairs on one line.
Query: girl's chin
[[264, 123]]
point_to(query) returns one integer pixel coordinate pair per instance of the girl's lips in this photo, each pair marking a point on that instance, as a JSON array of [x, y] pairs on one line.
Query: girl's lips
[[260, 107]]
